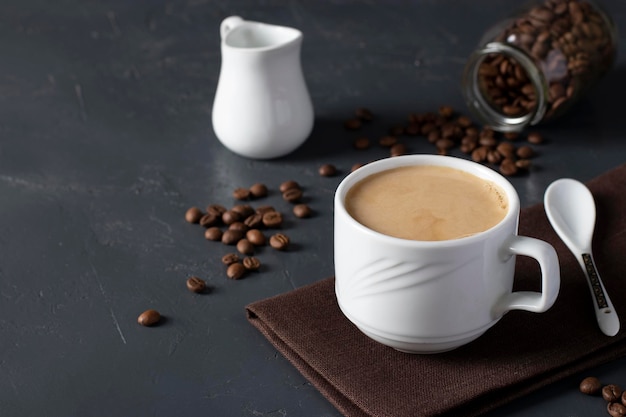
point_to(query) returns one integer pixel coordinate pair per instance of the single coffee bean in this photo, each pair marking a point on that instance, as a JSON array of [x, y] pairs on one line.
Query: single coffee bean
[[624, 397], [356, 166], [444, 143], [241, 226], [216, 209], [149, 318], [287, 185], [272, 219], [525, 152], [258, 190], [446, 111], [195, 284], [264, 209], [506, 149], [302, 211], [464, 121], [209, 220], [494, 157], [523, 164], [472, 132], [616, 409], [213, 233], [388, 141], [251, 263], [508, 167], [229, 217], [489, 141], [590, 385], [241, 194], [244, 246], [480, 154], [327, 170], [193, 215], [511, 136], [231, 237], [352, 124], [279, 241], [292, 195], [433, 136], [253, 221], [365, 114], [361, 143], [235, 270], [230, 258], [611, 393], [244, 210], [535, 138], [256, 237], [398, 149]]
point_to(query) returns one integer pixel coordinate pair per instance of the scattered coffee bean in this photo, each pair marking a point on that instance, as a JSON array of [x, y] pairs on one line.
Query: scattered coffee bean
[[279, 241], [195, 284], [508, 167], [287, 185], [446, 111], [616, 409], [272, 219], [363, 113], [396, 130], [235, 270], [245, 247], [216, 209], [253, 221], [243, 210], [265, 209], [611, 393], [230, 258], [229, 217], [231, 237], [258, 190], [590, 385], [241, 194], [193, 215], [256, 237], [356, 166], [208, 220], [511, 136], [327, 170], [292, 195], [388, 141], [525, 152], [241, 226], [251, 263], [398, 149], [361, 143], [302, 211], [213, 233], [523, 164], [149, 318], [535, 138]]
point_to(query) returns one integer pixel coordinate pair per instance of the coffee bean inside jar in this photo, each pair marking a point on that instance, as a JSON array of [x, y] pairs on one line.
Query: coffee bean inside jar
[[534, 65]]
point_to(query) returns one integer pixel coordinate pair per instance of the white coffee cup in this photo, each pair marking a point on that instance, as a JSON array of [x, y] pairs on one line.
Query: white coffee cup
[[434, 296]]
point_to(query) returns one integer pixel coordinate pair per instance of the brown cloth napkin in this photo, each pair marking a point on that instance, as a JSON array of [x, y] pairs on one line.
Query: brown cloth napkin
[[521, 353]]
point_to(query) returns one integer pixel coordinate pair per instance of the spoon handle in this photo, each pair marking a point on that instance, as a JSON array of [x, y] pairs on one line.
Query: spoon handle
[[605, 312]]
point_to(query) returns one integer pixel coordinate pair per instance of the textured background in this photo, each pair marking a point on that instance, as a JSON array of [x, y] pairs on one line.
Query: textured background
[[105, 140]]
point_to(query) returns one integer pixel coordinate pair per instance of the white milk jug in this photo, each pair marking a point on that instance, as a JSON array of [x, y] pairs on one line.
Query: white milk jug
[[262, 107]]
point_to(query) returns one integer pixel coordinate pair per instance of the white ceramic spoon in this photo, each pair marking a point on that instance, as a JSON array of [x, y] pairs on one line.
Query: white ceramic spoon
[[572, 212]]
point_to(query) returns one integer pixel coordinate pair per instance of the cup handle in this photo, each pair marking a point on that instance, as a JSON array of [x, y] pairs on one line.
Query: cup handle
[[536, 302], [229, 24]]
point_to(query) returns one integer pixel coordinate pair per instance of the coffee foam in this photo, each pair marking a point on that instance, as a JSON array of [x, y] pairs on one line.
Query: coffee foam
[[426, 203]]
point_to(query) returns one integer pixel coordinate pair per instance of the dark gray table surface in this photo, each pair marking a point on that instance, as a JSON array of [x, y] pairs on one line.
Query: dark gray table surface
[[106, 140]]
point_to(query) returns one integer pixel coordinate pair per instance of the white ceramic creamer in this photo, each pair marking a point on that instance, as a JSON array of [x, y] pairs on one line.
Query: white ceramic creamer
[[262, 108]]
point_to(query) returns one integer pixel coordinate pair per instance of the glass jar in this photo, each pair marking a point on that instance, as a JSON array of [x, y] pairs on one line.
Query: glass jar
[[534, 65]]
